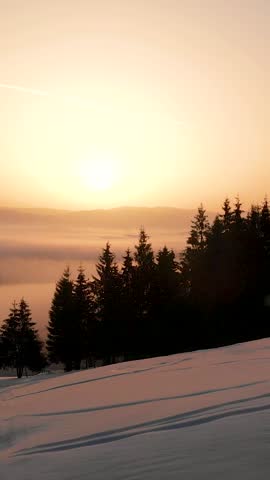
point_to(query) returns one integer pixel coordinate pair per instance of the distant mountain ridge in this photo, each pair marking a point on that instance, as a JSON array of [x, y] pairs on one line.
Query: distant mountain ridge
[[120, 217]]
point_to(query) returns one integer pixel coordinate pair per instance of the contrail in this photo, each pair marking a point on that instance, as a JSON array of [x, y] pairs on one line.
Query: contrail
[[85, 104], [76, 101], [19, 88]]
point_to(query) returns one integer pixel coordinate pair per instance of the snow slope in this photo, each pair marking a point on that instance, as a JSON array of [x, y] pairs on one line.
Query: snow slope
[[201, 415]]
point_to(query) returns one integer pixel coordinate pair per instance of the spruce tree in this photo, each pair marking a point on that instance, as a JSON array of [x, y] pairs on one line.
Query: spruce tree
[[265, 238], [199, 230], [106, 287], [128, 305], [196, 245], [254, 219], [167, 269], [145, 271], [237, 218], [227, 216], [166, 303], [265, 225], [127, 270], [63, 327], [12, 342], [144, 255], [194, 279], [20, 343], [216, 231], [85, 319]]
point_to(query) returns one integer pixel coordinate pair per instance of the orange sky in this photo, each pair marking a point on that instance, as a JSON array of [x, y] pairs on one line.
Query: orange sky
[[122, 102]]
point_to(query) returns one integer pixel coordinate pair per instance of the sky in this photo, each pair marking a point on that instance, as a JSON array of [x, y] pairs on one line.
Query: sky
[[120, 102]]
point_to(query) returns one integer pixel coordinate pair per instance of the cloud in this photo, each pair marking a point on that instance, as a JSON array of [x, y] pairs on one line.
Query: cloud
[[47, 252]]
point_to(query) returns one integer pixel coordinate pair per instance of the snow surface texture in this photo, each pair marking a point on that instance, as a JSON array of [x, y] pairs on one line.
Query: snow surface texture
[[201, 415]]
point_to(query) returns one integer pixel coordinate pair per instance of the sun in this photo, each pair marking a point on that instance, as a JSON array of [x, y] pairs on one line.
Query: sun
[[98, 173]]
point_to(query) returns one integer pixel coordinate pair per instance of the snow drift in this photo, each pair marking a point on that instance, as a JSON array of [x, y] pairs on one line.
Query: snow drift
[[196, 415]]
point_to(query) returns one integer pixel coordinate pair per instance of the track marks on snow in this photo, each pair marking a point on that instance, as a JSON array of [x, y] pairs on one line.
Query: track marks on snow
[[142, 402], [189, 419], [106, 377]]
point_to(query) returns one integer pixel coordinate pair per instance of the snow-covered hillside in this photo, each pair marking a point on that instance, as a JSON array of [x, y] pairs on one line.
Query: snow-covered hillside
[[201, 415]]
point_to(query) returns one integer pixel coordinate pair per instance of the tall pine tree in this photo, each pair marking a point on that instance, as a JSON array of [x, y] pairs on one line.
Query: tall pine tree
[[106, 287], [265, 225], [145, 271], [63, 326], [227, 216], [85, 319], [191, 263], [166, 334], [21, 347], [128, 306]]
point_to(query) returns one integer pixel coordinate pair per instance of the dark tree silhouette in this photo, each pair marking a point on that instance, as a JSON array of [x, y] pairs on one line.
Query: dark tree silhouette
[[192, 256], [237, 217], [197, 239], [227, 279], [84, 312], [227, 215], [254, 219], [63, 326], [166, 303], [128, 306], [216, 231], [106, 287], [145, 269], [128, 271], [21, 347], [193, 277], [152, 305], [265, 225]]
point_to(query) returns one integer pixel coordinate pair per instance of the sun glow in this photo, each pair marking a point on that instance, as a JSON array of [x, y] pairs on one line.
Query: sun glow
[[98, 173]]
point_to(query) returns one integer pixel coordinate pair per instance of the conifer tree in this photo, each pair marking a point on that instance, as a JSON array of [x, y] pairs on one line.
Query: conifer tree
[[265, 237], [254, 219], [62, 325], [227, 215], [107, 290], [237, 218], [144, 255], [145, 271], [20, 343], [12, 342], [84, 343], [216, 231], [199, 230], [265, 225], [167, 269], [145, 266], [166, 302], [128, 305], [127, 270], [196, 245]]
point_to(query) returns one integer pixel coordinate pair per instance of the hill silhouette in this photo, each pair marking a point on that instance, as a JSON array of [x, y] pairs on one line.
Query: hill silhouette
[[120, 217]]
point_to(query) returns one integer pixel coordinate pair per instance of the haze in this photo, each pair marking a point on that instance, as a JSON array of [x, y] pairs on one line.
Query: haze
[[114, 102], [36, 246]]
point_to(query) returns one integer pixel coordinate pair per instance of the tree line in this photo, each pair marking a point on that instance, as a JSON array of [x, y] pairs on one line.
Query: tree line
[[217, 292]]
